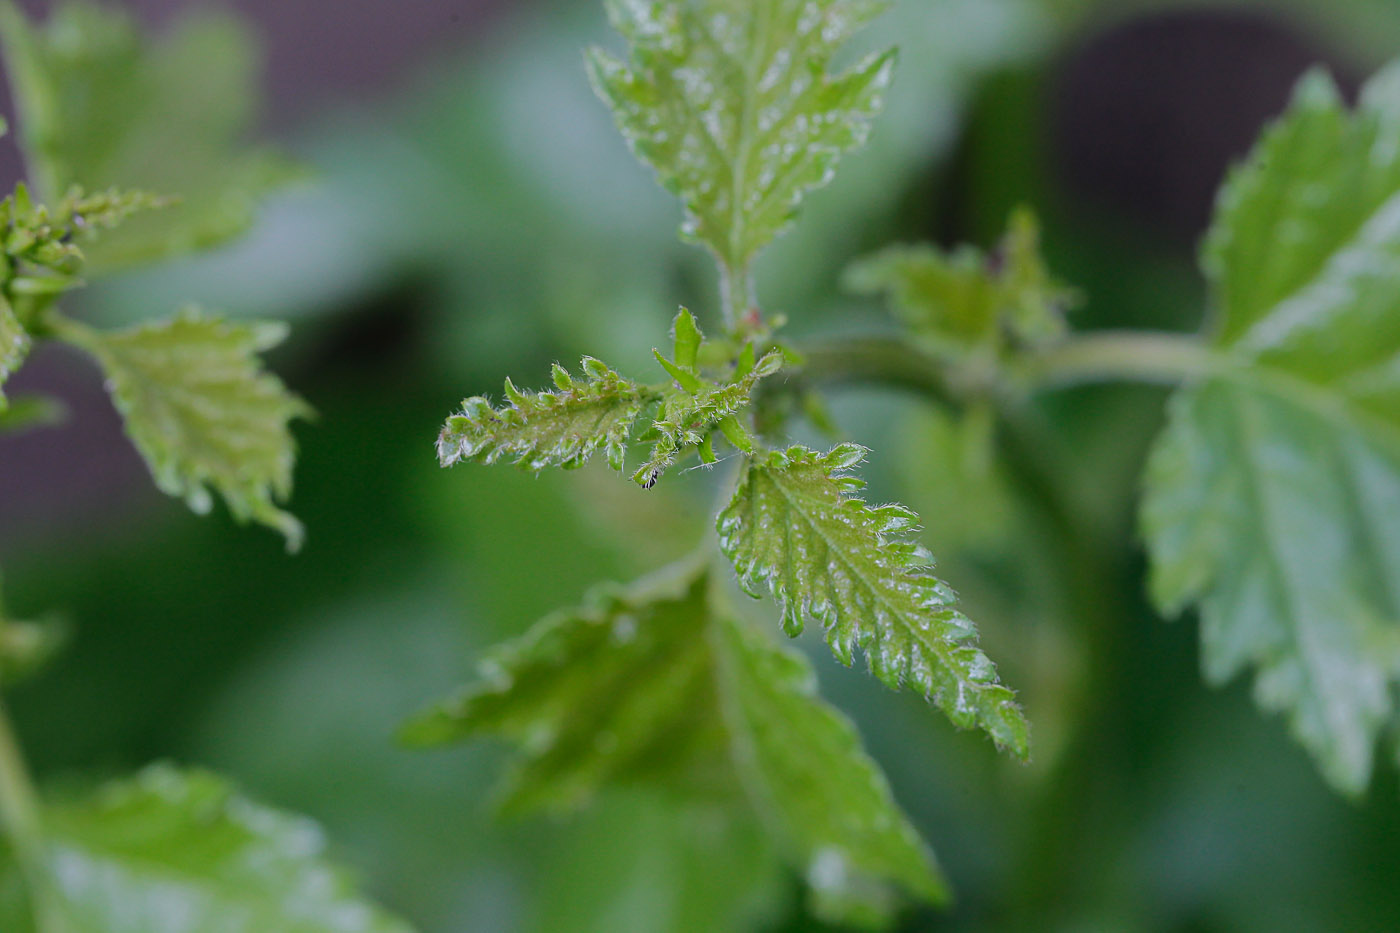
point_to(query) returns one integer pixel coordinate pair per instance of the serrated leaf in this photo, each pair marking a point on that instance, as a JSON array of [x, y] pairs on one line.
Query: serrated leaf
[[730, 101], [653, 686], [203, 412], [102, 106], [1273, 497], [14, 347], [964, 300], [175, 852], [795, 528], [541, 429]]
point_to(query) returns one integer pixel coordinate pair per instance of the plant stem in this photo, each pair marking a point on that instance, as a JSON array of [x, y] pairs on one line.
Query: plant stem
[[19, 813], [736, 294], [1129, 356], [1119, 356]]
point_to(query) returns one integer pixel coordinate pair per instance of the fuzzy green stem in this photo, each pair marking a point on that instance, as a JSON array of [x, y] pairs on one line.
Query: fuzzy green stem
[[736, 295], [1127, 356]]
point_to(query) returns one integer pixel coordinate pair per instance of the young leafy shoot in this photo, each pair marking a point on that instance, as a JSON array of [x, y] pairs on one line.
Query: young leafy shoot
[[730, 101], [170, 851], [566, 426], [656, 685], [697, 406], [102, 106], [560, 428], [202, 411], [1273, 497], [968, 302], [794, 527]]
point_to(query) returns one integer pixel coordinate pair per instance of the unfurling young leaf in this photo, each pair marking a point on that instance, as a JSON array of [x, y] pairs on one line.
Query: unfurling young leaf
[[562, 428], [174, 852], [731, 103], [656, 685], [794, 527], [1273, 497], [203, 412], [967, 301], [102, 106]]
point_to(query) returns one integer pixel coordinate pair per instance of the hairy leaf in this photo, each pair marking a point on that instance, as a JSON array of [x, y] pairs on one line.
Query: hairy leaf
[[541, 429], [203, 411], [696, 406], [173, 852], [654, 686], [102, 106], [965, 300], [731, 102], [1273, 497], [794, 527]]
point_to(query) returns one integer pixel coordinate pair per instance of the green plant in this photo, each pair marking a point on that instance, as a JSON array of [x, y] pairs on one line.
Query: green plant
[[1270, 500], [106, 116]]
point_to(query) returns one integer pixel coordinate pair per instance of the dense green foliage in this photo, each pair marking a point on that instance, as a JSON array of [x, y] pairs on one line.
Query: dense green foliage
[[690, 774]]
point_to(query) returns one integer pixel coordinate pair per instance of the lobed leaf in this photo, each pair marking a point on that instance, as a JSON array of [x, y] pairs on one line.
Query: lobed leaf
[[541, 429], [653, 686], [1273, 497], [795, 528], [102, 106], [170, 852], [203, 412], [730, 101]]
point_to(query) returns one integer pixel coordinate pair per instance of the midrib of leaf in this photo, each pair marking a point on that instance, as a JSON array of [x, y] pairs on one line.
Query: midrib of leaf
[[877, 592]]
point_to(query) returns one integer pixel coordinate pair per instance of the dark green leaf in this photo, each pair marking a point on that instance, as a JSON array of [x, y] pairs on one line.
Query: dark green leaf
[[653, 686]]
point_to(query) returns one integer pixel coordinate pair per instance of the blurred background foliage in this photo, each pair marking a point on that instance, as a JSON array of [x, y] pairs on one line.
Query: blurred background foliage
[[473, 212]]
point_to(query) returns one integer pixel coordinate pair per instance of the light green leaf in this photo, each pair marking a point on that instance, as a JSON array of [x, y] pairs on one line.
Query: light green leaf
[[542, 429], [965, 300], [102, 106], [794, 527], [731, 102], [695, 407], [14, 346], [175, 852], [1273, 497], [653, 686], [203, 412]]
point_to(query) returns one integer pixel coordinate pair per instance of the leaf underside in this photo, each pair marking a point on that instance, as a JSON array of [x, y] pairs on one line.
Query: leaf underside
[[1273, 497], [795, 528], [654, 687]]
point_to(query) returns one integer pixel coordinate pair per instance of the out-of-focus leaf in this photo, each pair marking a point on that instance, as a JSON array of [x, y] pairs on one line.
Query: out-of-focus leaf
[[14, 346], [654, 686], [965, 300], [174, 852], [795, 528], [731, 103], [102, 106], [203, 412], [1273, 498]]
